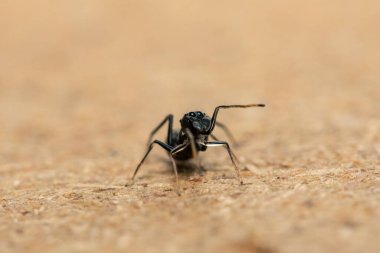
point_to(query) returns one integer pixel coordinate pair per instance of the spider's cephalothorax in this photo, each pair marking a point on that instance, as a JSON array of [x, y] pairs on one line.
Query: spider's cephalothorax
[[196, 122], [196, 128]]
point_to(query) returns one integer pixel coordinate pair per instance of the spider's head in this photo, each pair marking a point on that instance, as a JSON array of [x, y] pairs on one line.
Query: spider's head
[[197, 122]]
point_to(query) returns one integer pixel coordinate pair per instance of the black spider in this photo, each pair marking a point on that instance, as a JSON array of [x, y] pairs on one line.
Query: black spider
[[184, 144]]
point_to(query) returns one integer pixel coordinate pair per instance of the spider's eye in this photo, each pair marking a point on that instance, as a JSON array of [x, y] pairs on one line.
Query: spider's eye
[[199, 115], [192, 114]]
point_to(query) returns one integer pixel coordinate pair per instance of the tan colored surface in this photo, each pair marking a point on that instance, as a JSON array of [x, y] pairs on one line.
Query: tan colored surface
[[83, 82]]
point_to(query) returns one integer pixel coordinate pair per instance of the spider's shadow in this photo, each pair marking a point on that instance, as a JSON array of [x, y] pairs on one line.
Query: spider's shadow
[[186, 168]]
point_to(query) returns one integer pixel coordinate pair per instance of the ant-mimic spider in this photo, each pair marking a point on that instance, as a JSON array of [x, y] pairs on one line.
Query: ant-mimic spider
[[184, 144]]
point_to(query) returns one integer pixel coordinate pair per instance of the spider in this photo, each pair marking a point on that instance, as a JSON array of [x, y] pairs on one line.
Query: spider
[[193, 137]]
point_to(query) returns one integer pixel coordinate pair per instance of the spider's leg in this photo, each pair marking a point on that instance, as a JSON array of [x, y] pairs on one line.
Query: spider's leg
[[227, 146], [227, 132], [175, 173], [171, 155], [216, 111], [194, 150], [214, 137], [169, 119], [217, 139], [162, 144]]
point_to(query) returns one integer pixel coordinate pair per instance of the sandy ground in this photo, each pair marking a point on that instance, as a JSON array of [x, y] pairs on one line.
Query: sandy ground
[[83, 82]]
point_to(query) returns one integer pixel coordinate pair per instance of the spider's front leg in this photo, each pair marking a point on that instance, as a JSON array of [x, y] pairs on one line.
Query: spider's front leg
[[171, 155], [194, 150], [230, 153], [216, 111], [227, 131]]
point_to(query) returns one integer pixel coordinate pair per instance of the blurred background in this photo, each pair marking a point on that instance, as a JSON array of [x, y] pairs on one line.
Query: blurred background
[[84, 80], [79, 67]]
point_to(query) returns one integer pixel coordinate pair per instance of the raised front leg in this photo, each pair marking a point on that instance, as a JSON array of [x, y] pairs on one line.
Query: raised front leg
[[216, 111]]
